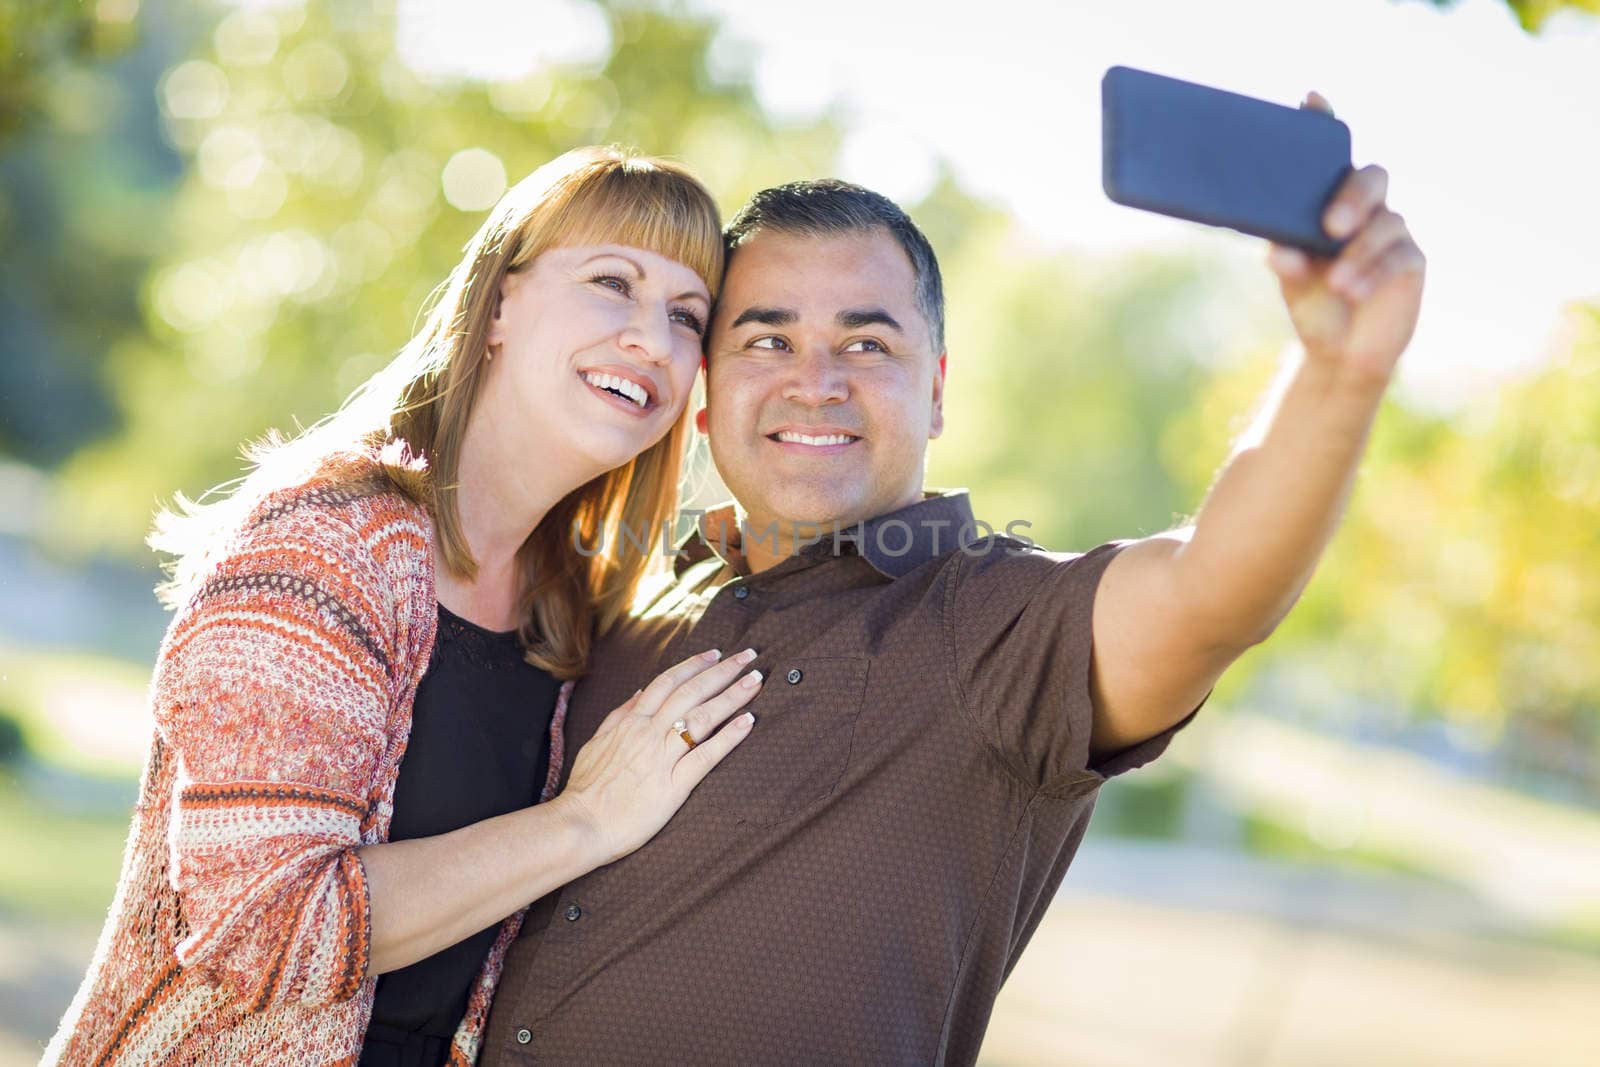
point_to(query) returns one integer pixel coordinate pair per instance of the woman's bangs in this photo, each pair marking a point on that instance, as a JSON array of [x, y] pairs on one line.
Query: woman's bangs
[[656, 210]]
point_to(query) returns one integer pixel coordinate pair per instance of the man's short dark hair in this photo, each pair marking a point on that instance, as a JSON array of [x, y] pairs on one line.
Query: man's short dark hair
[[826, 206]]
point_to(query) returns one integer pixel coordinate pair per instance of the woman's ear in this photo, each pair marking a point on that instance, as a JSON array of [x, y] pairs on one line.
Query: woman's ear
[[496, 332], [508, 283]]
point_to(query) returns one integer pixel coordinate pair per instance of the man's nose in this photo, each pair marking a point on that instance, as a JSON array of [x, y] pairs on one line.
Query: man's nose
[[816, 379]]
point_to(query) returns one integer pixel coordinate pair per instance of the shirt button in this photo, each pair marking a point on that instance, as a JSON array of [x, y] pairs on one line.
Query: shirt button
[[740, 592], [794, 676], [574, 913], [524, 1036]]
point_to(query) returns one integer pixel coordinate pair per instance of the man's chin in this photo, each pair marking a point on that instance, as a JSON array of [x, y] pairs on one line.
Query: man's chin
[[815, 511]]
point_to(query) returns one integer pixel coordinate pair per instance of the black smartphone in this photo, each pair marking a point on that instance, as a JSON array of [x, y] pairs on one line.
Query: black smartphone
[[1203, 154]]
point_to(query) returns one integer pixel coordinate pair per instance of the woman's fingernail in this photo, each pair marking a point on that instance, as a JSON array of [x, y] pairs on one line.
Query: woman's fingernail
[[712, 654], [747, 720], [751, 680], [1340, 221], [747, 655]]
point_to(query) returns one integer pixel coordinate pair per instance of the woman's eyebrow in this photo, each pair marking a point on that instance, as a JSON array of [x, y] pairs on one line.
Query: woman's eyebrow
[[629, 260], [687, 294]]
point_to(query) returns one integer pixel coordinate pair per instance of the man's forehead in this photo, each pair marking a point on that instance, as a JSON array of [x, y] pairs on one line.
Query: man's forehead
[[818, 273]]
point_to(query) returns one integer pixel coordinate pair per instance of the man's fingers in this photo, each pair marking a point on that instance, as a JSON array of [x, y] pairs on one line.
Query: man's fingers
[[704, 686], [1358, 197], [711, 713], [1402, 257], [697, 763], [667, 682], [1386, 228], [1316, 101], [1289, 264]]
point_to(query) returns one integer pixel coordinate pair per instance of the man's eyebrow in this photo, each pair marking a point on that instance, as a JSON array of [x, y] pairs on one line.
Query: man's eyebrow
[[766, 317], [855, 318]]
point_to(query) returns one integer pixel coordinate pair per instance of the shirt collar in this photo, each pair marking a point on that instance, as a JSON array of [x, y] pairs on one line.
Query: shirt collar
[[895, 543]]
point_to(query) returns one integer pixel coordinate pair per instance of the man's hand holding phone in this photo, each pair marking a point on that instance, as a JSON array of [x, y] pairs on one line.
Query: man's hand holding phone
[[1355, 313]]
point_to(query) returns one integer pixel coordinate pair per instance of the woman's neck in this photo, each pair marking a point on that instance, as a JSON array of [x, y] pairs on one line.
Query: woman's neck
[[502, 494]]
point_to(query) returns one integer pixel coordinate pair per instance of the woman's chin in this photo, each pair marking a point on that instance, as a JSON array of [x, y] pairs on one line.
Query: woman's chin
[[608, 449]]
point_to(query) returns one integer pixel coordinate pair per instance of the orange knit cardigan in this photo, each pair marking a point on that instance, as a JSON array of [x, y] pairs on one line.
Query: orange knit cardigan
[[282, 698]]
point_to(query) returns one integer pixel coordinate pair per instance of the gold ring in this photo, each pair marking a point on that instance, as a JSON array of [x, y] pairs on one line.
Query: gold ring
[[682, 729]]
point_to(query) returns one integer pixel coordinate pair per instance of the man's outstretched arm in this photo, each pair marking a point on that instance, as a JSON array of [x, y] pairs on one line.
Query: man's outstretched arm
[[1174, 610]]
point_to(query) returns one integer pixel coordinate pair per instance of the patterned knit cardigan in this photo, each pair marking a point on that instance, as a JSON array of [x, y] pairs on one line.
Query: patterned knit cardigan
[[282, 697]]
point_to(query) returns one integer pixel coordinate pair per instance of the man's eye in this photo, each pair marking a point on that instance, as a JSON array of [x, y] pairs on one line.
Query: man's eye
[[612, 282], [865, 345], [776, 344]]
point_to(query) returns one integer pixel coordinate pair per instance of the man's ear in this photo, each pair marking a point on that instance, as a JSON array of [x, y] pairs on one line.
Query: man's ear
[[700, 421], [936, 424]]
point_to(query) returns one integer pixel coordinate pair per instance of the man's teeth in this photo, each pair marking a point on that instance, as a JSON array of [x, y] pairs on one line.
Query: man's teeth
[[806, 439], [632, 390]]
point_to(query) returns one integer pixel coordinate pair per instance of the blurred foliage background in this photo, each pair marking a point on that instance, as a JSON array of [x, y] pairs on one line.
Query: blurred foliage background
[[217, 220]]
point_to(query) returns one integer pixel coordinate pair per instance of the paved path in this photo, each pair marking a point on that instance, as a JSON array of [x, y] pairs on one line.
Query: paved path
[[1156, 956], [1115, 983]]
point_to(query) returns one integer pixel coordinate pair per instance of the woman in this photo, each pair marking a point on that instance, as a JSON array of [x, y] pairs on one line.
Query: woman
[[356, 703]]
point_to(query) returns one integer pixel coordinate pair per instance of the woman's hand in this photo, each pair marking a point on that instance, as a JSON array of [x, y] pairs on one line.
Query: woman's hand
[[637, 770]]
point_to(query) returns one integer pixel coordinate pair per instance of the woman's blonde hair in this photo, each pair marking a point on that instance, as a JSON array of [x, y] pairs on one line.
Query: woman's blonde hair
[[404, 427]]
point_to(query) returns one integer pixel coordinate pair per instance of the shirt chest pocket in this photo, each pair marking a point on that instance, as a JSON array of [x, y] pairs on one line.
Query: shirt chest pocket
[[792, 760]]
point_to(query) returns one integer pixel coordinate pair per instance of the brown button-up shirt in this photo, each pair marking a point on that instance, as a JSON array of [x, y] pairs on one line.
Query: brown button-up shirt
[[854, 882]]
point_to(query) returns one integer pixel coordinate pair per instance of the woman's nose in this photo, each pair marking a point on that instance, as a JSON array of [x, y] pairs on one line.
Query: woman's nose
[[650, 334]]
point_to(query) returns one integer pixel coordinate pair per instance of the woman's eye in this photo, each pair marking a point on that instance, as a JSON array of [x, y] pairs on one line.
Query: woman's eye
[[775, 344], [612, 282], [865, 345], [689, 319]]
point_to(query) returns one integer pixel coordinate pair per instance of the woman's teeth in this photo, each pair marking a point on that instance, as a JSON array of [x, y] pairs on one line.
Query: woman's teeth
[[621, 386], [790, 437]]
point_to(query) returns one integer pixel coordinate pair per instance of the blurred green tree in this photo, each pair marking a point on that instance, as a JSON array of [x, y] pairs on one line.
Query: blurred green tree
[[1464, 581], [40, 40], [330, 189], [1532, 14], [84, 176]]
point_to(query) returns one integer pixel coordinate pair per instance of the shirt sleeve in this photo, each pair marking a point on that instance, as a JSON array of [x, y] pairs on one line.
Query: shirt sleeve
[[1020, 627], [274, 690]]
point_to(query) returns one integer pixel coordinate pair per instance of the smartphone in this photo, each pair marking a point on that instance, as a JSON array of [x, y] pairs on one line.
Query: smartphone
[[1203, 154]]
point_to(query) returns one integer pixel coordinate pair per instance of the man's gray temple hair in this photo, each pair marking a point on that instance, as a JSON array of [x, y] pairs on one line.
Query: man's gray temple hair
[[825, 207]]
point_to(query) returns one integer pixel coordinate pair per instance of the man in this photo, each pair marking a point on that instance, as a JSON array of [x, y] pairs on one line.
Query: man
[[856, 880]]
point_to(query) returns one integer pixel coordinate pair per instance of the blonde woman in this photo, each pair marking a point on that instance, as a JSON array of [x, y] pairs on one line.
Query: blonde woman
[[359, 702]]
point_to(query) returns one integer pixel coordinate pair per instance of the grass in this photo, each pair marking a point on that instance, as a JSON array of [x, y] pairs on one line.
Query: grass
[[65, 797], [56, 864], [1269, 837], [77, 711]]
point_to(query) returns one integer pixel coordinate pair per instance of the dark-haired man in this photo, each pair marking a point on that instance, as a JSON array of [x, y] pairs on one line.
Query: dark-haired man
[[853, 884]]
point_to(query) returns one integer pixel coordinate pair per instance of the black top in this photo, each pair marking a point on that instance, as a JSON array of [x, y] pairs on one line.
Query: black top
[[479, 747]]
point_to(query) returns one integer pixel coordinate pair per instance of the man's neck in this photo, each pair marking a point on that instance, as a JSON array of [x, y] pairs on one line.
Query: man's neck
[[763, 543]]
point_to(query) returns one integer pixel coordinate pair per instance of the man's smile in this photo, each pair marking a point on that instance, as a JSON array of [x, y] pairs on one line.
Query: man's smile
[[812, 440]]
